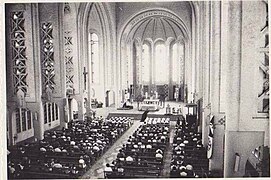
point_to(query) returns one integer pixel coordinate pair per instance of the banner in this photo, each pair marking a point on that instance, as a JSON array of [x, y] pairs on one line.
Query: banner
[[210, 138]]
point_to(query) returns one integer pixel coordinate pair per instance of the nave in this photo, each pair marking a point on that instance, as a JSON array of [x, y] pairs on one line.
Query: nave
[[68, 153], [79, 77]]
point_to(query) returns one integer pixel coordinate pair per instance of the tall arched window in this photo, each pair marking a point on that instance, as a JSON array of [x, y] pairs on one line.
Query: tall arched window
[[161, 64], [175, 63], [181, 63], [146, 55], [94, 64]]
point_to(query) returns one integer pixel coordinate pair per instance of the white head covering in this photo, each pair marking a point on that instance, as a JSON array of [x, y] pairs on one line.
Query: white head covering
[[189, 167], [183, 174]]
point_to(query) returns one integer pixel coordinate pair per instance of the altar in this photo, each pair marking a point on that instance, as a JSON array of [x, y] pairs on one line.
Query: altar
[[150, 104]]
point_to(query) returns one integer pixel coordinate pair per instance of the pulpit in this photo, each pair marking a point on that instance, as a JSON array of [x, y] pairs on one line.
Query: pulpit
[[191, 116]]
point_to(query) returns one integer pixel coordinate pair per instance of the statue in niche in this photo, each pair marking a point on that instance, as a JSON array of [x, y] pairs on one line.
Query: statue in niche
[[21, 98], [47, 96], [85, 73]]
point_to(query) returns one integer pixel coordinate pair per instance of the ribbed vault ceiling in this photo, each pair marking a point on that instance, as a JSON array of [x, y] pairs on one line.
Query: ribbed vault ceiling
[[156, 27]]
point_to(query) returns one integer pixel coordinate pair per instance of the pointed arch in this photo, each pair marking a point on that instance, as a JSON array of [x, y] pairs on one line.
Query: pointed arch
[[106, 41]]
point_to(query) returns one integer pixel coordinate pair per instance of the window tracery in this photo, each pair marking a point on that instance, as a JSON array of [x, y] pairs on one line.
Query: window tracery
[[47, 52], [18, 51]]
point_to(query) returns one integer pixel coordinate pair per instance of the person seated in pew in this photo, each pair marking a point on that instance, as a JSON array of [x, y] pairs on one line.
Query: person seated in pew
[[159, 156], [57, 150], [87, 159], [120, 170], [183, 174], [74, 170], [159, 151], [174, 173], [129, 160], [11, 171], [57, 165], [66, 169], [82, 163], [121, 155], [42, 149], [47, 167], [148, 147], [19, 168], [189, 170], [108, 168]]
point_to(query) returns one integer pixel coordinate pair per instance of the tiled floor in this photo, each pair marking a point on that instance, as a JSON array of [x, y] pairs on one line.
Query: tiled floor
[[168, 153], [105, 111]]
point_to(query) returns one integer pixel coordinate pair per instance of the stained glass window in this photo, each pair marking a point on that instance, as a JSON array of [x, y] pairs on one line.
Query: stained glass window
[[161, 64], [175, 63], [146, 57]]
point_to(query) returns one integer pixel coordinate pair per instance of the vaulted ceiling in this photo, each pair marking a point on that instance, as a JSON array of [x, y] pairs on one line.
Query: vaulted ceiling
[[156, 27]]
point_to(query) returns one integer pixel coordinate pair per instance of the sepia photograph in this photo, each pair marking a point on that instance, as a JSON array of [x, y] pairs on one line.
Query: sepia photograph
[[134, 89]]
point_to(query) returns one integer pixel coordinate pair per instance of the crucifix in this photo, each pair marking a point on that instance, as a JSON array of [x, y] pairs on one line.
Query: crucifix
[[85, 78]]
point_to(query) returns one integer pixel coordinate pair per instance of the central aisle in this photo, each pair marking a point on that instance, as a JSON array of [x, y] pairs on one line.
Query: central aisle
[[96, 171], [168, 153]]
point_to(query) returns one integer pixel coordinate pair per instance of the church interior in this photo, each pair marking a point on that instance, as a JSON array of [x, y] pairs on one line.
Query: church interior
[[136, 90]]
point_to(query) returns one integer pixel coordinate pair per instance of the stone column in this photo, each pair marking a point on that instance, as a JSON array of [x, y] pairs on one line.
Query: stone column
[[216, 162], [37, 107], [170, 60], [206, 73], [233, 68], [151, 67]]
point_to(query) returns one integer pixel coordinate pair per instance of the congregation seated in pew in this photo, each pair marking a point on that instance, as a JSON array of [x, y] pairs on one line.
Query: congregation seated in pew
[[143, 154], [66, 153], [189, 156]]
